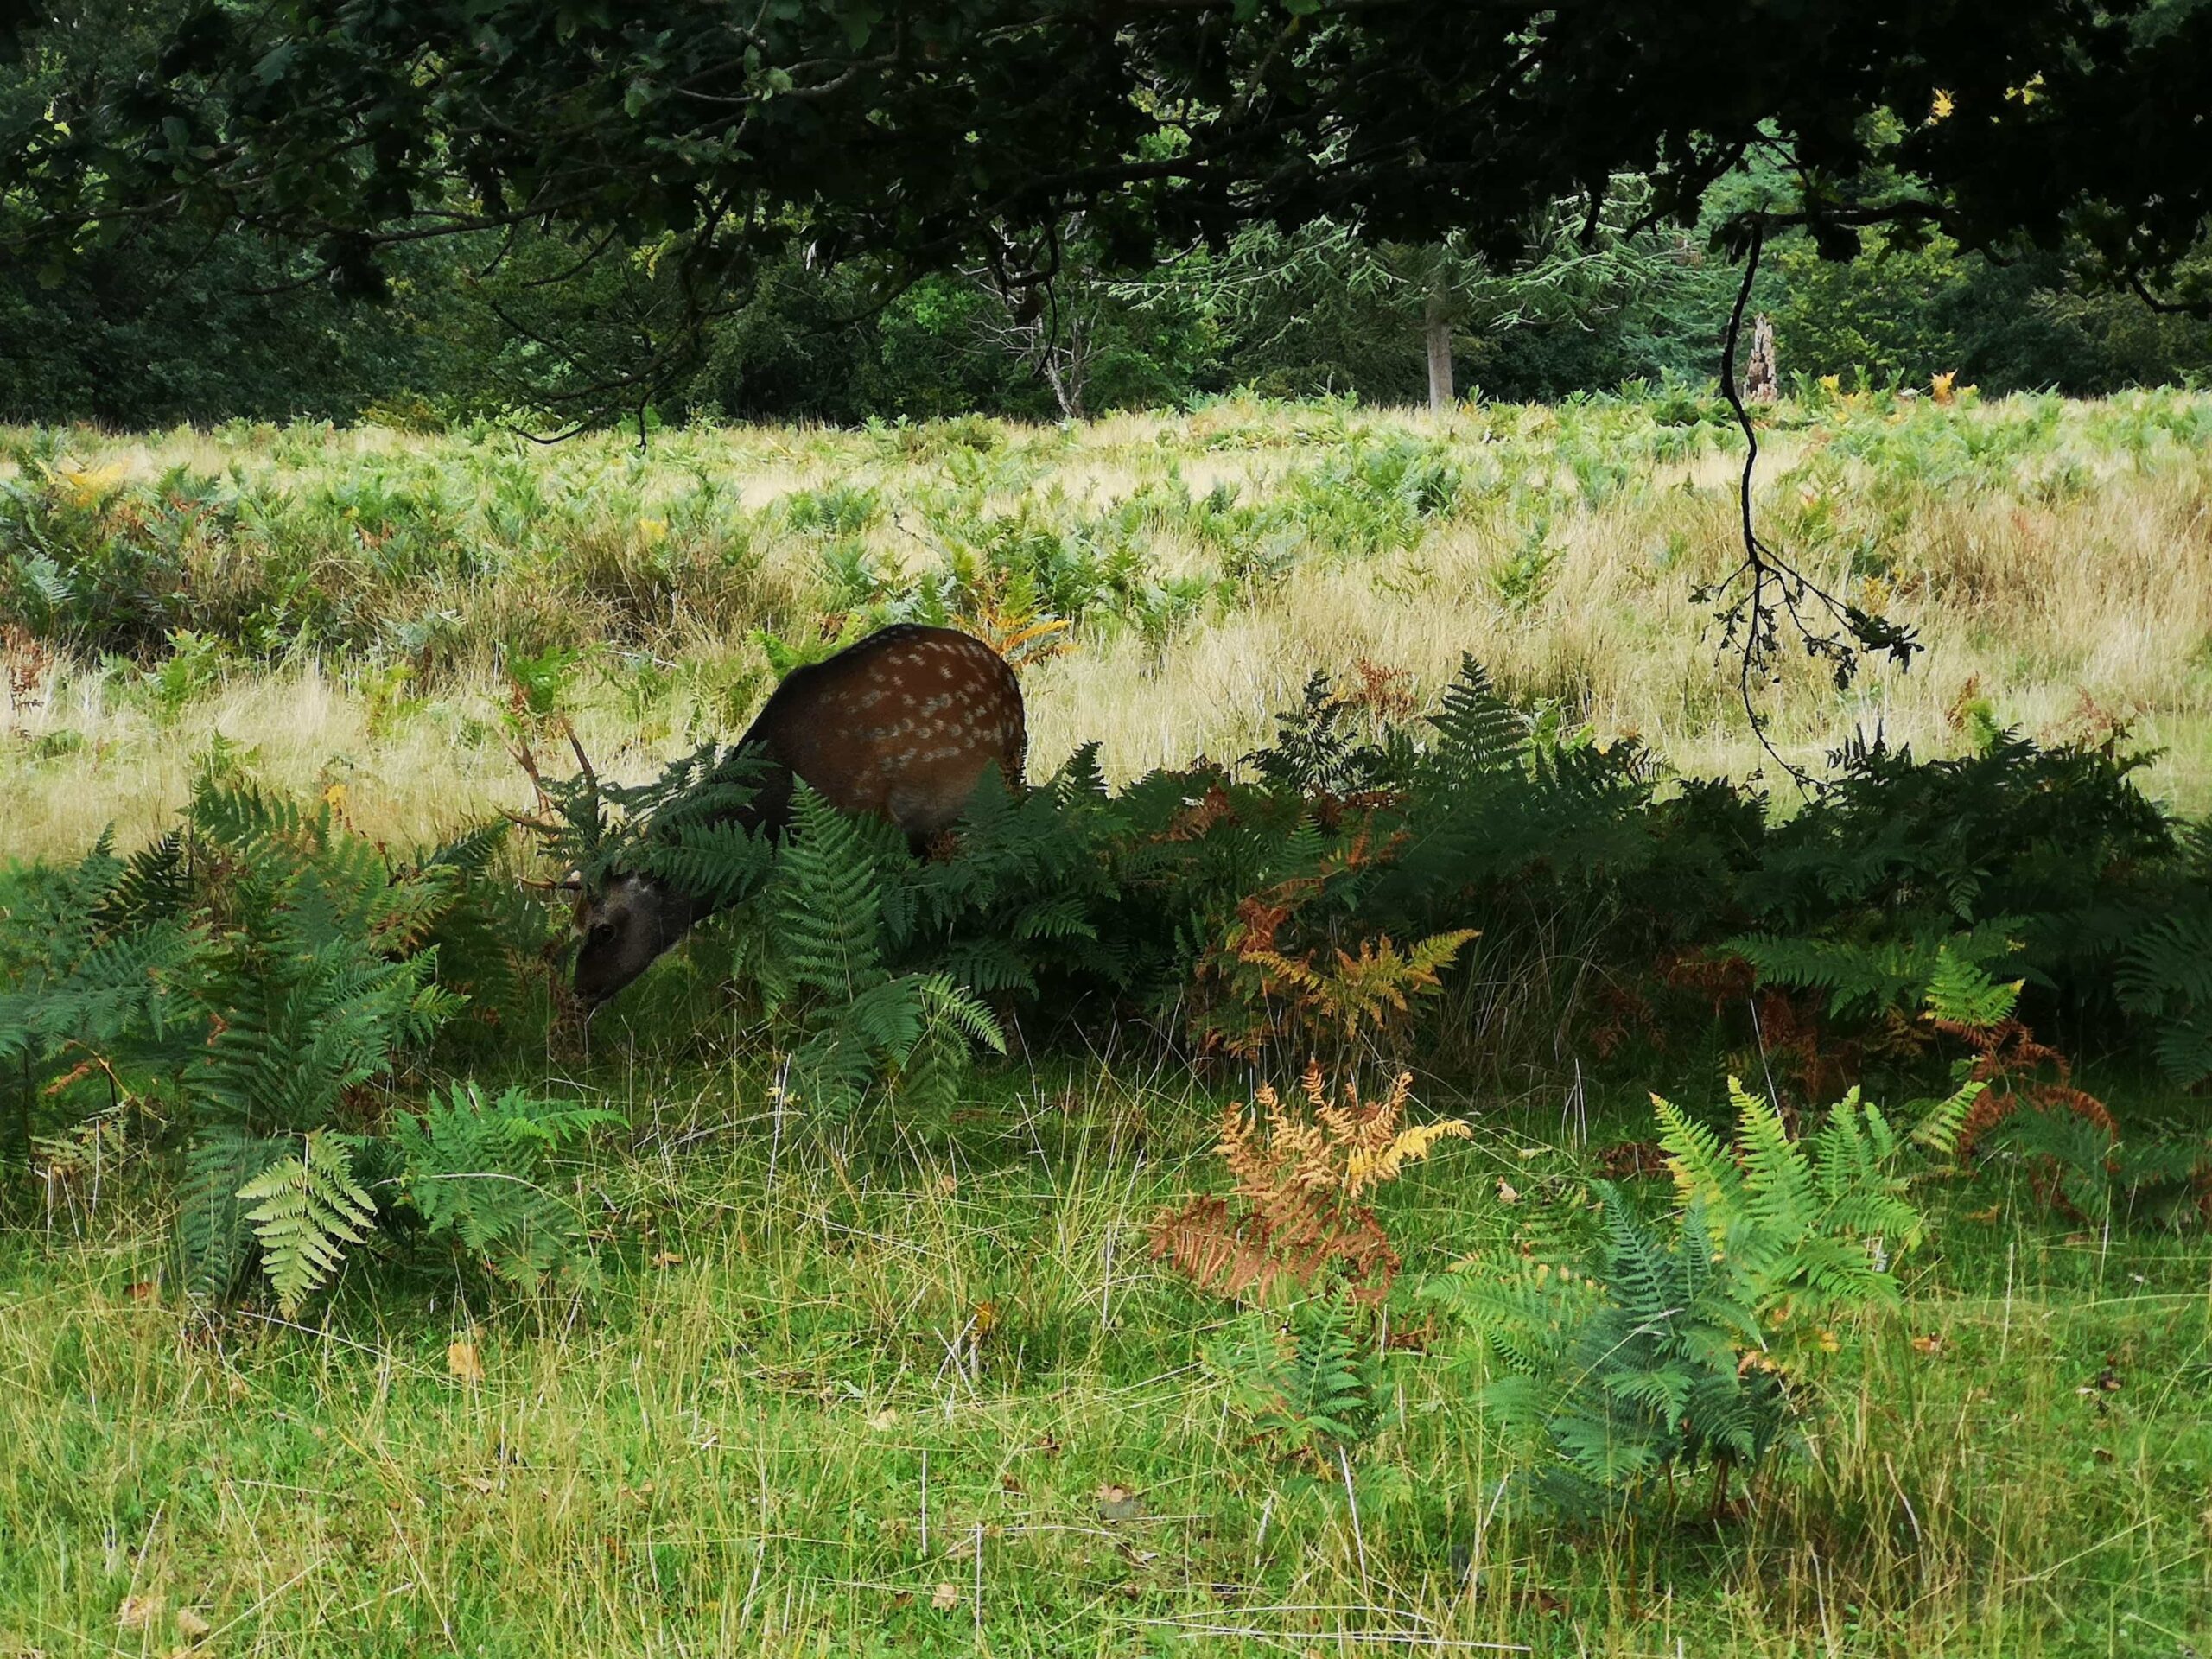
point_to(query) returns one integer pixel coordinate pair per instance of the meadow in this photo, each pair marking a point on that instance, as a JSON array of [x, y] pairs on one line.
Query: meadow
[[346, 602], [931, 1369]]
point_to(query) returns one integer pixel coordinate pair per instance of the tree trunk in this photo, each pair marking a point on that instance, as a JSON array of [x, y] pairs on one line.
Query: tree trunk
[[1762, 379], [1438, 328], [1066, 368]]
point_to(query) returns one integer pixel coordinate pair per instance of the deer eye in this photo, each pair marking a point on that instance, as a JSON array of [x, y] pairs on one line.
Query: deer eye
[[601, 931]]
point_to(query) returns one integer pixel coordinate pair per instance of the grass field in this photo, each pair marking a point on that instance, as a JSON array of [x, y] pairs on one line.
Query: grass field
[[912, 1385], [777, 1432], [346, 599]]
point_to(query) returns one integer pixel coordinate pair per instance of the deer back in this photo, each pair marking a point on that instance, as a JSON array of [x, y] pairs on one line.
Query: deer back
[[902, 724]]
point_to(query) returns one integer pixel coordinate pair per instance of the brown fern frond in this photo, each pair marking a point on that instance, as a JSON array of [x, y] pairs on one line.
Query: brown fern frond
[[1364, 1130], [1991, 1107], [1208, 1245], [1387, 693], [1295, 1213], [1193, 821], [1722, 979], [2009, 1053], [2078, 1102], [1357, 1241], [1240, 1150], [1313, 1168]]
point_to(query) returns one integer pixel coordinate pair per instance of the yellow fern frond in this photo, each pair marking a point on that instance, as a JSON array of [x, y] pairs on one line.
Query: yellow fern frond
[[1298, 975], [1364, 1130], [84, 485], [1316, 1091], [1374, 1169], [1434, 954]]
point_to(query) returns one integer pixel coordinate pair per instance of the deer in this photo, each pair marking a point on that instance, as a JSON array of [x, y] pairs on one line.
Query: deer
[[901, 724]]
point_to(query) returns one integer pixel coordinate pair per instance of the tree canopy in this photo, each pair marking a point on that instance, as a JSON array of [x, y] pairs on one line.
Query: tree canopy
[[936, 130], [708, 141]]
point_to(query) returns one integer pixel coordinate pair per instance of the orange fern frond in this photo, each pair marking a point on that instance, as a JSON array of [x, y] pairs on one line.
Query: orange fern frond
[[1295, 1211]]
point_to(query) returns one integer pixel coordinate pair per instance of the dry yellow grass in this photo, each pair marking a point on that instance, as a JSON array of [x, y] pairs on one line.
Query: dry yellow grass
[[2055, 557]]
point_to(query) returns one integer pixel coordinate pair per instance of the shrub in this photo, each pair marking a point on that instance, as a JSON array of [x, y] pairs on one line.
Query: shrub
[[1679, 1345], [244, 991], [1367, 879]]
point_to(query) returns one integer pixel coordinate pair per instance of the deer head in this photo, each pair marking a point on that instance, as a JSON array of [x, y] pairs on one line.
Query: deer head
[[620, 925], [621, 929]]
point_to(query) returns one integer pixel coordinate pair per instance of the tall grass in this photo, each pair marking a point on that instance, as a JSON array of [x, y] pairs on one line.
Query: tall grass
[[344, 601]]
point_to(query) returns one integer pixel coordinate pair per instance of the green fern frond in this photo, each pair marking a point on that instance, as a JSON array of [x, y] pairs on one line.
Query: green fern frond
[[1703, 1167], [1477, 730], [1307, 1383], [1943, 1121], [828, 902], [2164, 974], [1780, 1193], [304, 1211], [1962, 993], [948, 1004], [1861, 977], [212, 1236], [154, 885], [1654, 1354], [473, 1169], [2183, 1049]]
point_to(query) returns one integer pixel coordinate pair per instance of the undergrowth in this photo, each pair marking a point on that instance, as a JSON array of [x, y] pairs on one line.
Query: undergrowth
[[266, 973], [264, 1031]]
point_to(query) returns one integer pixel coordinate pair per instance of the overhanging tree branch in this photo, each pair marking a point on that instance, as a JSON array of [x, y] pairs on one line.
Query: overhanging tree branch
[[1766, 591]]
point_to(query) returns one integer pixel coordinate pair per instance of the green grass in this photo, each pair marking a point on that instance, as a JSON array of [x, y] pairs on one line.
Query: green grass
[[725, 1450]]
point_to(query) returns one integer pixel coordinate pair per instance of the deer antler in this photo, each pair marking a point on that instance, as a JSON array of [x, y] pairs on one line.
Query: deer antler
[[526, 759], [583, 761]]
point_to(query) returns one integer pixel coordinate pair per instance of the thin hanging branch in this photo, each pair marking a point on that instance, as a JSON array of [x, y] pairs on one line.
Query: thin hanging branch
[[1754, 599]]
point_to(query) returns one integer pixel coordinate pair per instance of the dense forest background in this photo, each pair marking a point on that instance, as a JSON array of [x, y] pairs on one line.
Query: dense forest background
[[168, 327]]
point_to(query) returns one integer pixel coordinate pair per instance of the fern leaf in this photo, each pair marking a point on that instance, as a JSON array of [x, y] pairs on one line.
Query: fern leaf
[[303, 1211], [1780, 1191], [1702, 1167], [212, 1235], [1944, 1120], [948, 1004], [1478, 731], [1962, 993], [473, 1169], [829, 901]]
